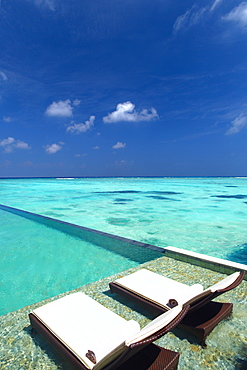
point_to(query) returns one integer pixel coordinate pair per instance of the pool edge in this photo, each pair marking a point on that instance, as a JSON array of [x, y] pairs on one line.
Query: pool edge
[[203, 260]]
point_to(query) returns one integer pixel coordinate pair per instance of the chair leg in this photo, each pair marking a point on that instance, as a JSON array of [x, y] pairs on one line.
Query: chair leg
[[152, 357], [205, 319]]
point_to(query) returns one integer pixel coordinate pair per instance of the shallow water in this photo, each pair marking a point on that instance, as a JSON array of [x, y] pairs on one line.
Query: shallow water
[[226, 345], [205, 215], [38, 262]]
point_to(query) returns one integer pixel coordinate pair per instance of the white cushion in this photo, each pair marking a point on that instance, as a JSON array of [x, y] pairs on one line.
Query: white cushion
[[83, 324], [158, 288]]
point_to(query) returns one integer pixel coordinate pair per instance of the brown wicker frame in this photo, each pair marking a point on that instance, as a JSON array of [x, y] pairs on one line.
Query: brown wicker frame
[[202, 317], [139, 356]]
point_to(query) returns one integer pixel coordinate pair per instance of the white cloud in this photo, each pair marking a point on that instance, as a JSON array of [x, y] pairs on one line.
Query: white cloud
[[8, 141], [237, 124], [126, 112], [189, 18], [7, 119], [77, 128], [21, 145], [194, 15], [96, 147], [76, 102], [53, 148], [181, 21], [238, 15], [3, 76], [60, 109], [215, 4], [80, 155], [119, 145], [10, 144]]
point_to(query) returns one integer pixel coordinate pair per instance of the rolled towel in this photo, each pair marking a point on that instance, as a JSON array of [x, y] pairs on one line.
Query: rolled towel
[[172, 303]]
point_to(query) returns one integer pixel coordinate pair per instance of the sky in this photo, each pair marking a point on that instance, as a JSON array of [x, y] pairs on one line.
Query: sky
[[123, 88]]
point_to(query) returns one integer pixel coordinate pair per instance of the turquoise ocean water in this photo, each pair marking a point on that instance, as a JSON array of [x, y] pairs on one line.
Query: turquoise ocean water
[[206, 215]]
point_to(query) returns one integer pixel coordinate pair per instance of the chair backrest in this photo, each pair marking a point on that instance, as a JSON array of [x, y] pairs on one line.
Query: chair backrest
[[151, 332], [154, 326], [198, 298], [154, 330], [230, 282]]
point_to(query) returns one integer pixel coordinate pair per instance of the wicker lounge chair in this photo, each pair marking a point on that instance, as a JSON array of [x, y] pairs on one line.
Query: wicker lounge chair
[[91, 336], [159, 293]]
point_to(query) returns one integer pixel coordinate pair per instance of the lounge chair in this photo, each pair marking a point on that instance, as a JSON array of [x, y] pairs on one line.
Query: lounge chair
[[91, 336], [159, 294]]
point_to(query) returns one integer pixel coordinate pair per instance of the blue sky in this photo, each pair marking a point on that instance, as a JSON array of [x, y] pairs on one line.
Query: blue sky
[[123, 88]]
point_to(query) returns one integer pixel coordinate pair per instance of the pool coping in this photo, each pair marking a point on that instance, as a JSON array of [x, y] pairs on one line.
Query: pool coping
[[202, 260]]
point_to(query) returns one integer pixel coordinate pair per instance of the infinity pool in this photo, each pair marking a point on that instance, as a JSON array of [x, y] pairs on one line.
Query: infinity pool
[[40, 261], [204, 215]]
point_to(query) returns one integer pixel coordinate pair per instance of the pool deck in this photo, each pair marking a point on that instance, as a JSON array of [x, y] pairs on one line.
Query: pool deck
[[226, 345]]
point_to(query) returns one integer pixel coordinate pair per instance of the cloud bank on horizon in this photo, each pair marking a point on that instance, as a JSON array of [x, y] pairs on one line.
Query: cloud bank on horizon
[[81, 79]]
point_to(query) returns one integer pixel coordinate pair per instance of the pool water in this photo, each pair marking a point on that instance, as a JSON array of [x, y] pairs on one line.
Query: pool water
[[38, 262], [204, 215]]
